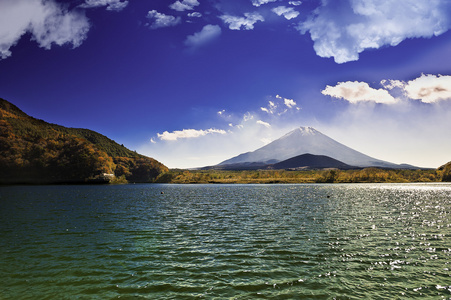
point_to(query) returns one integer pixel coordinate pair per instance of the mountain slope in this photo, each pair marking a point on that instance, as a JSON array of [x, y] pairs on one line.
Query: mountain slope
[[308, 140], [34, 151], [311, 161], [446, 172], [301, 162]]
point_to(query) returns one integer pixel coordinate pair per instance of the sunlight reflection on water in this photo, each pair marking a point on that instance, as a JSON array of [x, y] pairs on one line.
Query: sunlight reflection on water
[[244, 241]]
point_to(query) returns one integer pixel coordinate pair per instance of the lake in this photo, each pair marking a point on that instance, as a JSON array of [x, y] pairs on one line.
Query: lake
[[151, 241]]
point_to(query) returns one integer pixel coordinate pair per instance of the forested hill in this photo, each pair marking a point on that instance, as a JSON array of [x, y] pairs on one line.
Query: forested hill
[[446, 168], [34, 151]]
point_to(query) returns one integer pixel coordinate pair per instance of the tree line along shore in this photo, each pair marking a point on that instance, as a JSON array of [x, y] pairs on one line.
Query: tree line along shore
[[366, 175]]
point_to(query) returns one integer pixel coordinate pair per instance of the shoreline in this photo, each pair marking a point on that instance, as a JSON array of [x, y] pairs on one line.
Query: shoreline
[[180, 176]]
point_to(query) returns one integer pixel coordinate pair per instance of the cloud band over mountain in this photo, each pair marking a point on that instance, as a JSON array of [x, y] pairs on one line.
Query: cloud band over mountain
[[426, 88]]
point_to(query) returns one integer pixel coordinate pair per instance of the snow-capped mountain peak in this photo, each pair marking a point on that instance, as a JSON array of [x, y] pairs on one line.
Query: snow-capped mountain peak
[[305, 140]]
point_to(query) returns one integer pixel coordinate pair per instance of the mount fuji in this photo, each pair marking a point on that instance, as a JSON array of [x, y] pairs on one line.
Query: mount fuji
[[306, 140]]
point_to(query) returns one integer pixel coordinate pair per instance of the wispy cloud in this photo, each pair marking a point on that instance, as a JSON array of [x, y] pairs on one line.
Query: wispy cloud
[[279, 105], [187, 134], [290, 103], [288, 12], [270, 108], [184, 5], [261, 2], [160, 20], [248, 116], [392, 84], [247, 22], [295, 3], [266, 124], [354, 92], [114, 5], [195, 15], [47, 21], [203, 37], [342, 28]]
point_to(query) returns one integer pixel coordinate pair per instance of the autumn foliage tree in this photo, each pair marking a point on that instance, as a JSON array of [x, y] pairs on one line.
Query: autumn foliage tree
[[33, 151]]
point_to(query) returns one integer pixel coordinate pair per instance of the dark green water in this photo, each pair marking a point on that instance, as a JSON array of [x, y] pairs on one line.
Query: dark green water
[[369, 241]]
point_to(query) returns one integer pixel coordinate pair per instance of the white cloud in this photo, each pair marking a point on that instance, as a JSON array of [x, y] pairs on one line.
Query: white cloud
[[426, 88], [354, 92], [271, 108], [203, 37], [247, 116], [429, 88], [115, 5], [184, 5], [195, 15], [392, 84], [344, 28], [261, 2], [47, 22], [247, 22], [267, 125], [275, 108], [288, 12], [295, 3], [161, 20], [187, 134], [290, 103]]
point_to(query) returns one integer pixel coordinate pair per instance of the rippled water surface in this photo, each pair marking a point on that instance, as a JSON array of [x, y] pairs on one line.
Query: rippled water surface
[[359, 241]]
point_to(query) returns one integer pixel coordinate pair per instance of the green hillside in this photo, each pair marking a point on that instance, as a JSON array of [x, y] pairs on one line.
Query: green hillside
[[446, 169], [34, 151]]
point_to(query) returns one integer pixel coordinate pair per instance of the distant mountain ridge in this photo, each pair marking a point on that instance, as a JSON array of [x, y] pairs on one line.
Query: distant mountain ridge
[[311, 161], [301, 162], [34, 151], [307, 140]]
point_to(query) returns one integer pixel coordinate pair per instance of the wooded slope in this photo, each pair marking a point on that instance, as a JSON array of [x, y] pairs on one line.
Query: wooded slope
[[34, 151]]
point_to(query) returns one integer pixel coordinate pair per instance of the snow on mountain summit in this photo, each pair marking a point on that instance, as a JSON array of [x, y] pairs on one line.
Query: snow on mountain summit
[[302, 131]]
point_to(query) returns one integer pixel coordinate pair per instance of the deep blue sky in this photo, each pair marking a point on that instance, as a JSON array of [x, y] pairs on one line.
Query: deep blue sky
[[193, 90]]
